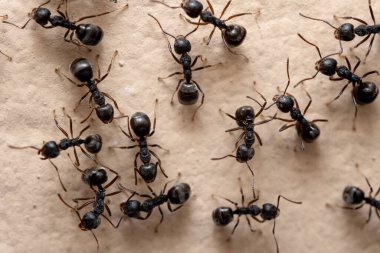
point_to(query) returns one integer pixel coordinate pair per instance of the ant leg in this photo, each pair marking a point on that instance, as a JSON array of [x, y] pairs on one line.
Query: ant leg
[[239, 15], [241, 192], [237, 141], [319, 120], [113, 100], [90, 157], [172, 7], [175, 209], [76, 157], [189, 21], [369, 214], [109, 67], [266, 121], [72, 208], [59, 176], [369, 47], [220, 158], [70, 121], [155, 116], [173, 74], [377, 193], [309, 103], [306, 79], [253, 180], [232, 202], [135, 167], [369, 185], [9, 58], [205, 67], [210, 36], [159, 163], [112, 182], [59, 127], [80, 100], [74, 41], [357, 64], [202, 100], [356, 111], [377, 213], [233, 129], [233, 230], [362, 41], [230, 50], [179, 83], [211, 7], [284, 127], [89, 115], [58, 72], [158, 146], [162, 218], [340, 93], [75, 165], [370, 73], [249, 224], [97, 241], [196, 59], [258, 138], [317, 19], [64, 15], [113, 225], [101, 14], [282, 119]]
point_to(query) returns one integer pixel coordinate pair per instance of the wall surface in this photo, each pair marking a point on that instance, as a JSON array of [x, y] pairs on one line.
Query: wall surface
[[33, 219]]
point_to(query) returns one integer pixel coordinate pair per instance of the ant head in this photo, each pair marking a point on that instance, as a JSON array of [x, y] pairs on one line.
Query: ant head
[[193, 8], [234, 35], [41, 15], [365, 93], [353, 195], [140, 124], [89, 34], [182, 45], [131, 208], [179, 193], [244, 153], [309, 132], [269, 211], [284, 103], [345, 32], [243, 113], [81, 69], [327, 66], [105, 113], [89, 221], [49, 150], [93, 143], [188, 94], [95, 176], [222, 216], [148, 172]]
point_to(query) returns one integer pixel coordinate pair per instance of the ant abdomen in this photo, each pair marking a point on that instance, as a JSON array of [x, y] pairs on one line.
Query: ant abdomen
[[365, 92], [188, 94], [309, 132], [93, 143], [148, 172], [193, 8], [345, 32], [222, 216], [105, 113], [179, 193], [81, 69], [50, 150], [140, 124], [234, 35], [89, 34], [244, 153], [353, 195], [89, 221]]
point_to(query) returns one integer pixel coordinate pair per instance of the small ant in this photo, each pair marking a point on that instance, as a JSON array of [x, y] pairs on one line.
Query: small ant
[[177, 195], [287, 103], [232, 35], [353, 195], [82, 70], [88, 34], [188, 89], [362, 92], [95, 176], [347, 31], [141, 126], [222, 216], [52, 149]]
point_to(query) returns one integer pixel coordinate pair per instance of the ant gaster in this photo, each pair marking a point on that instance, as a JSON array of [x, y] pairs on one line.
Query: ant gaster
[[141, 126], [177, 195], [222, 216], [307, 130], [353, 195], [52, 149], [82, 70], [88, 34], [232, 35], [188, 89], [347, 31], [362, 92]]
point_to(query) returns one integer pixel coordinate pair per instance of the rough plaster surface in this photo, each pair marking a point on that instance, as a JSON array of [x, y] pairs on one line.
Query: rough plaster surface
[[34, 220]]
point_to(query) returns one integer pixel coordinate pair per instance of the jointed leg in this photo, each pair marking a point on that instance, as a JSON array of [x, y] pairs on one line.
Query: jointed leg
[[159, 163], [109, 68], [202, 100], [176, 90], [154, 120], [59, 176]]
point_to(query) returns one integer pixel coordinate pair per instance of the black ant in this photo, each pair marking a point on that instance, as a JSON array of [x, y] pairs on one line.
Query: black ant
[[353, 195], [308, 131], [176, 195], [82, 70], [222, 216], [95, 176], [87, 34], [52, 149], [188, 89], [362, 92], [347, 31], [232, 35], [141, 126]]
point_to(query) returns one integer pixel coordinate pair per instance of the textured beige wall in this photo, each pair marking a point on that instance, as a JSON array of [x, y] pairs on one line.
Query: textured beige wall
[[34, 220]]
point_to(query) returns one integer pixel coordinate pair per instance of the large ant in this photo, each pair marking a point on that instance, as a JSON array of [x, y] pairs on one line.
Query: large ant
[[141, 126], [176, 195], [347, 31], [52, 149], [82, 70], [353, 195], [88, 34], [188, 89], [232, 35], [95, 176], [308, 131], [222, 216], [362, 92]]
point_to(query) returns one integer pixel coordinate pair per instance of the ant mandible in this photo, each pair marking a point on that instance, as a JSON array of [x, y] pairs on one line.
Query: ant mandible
[[52, 149], [362, 92], [188, 89], [141, 126], [176, 195], [222, 216], [307, 130], [82, 70], [347, 31], [232, 35], [87, 34]]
